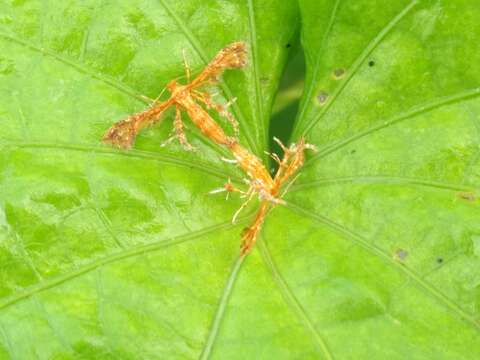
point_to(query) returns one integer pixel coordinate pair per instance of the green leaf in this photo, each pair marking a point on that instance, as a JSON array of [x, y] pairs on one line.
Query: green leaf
[[109, 254], [383, 257]]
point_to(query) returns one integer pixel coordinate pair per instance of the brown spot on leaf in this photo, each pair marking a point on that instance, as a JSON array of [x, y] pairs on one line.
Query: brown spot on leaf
[[322, 97], [467, 195], [338, 73]]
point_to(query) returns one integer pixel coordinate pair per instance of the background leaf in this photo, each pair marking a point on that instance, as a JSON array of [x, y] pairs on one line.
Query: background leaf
[[384, 253]]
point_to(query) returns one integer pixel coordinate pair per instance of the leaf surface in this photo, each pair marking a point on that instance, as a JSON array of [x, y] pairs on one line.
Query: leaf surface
[[110, 254]]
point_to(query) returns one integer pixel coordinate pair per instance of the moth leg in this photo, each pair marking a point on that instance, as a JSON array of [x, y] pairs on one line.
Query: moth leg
[[283, 163], [279, 142], [179, 130], [187, 67], [221, 109]]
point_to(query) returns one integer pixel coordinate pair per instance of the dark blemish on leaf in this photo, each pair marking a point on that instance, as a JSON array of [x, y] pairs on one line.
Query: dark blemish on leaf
[[288, 45], [469, 196], [353, 151], [439, 260], [371, 63], [400, 255], [264, 80], [322, 97], [338, 73]]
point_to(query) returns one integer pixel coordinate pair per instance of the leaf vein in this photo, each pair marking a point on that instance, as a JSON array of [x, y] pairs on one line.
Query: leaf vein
[[359, 61], [112, 258], [56, 332], [10, 351], [384, 180], [256, 70], [292, 301], [374, 250], [414, 111], [220, 312], [105, 79], [132, 153], [316, 67], [79, 67]]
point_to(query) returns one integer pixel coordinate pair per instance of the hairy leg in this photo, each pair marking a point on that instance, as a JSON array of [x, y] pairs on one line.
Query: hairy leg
[[179, 132]]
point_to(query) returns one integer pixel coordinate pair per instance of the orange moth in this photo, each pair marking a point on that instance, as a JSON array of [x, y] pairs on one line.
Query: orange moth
[[187, 98]]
